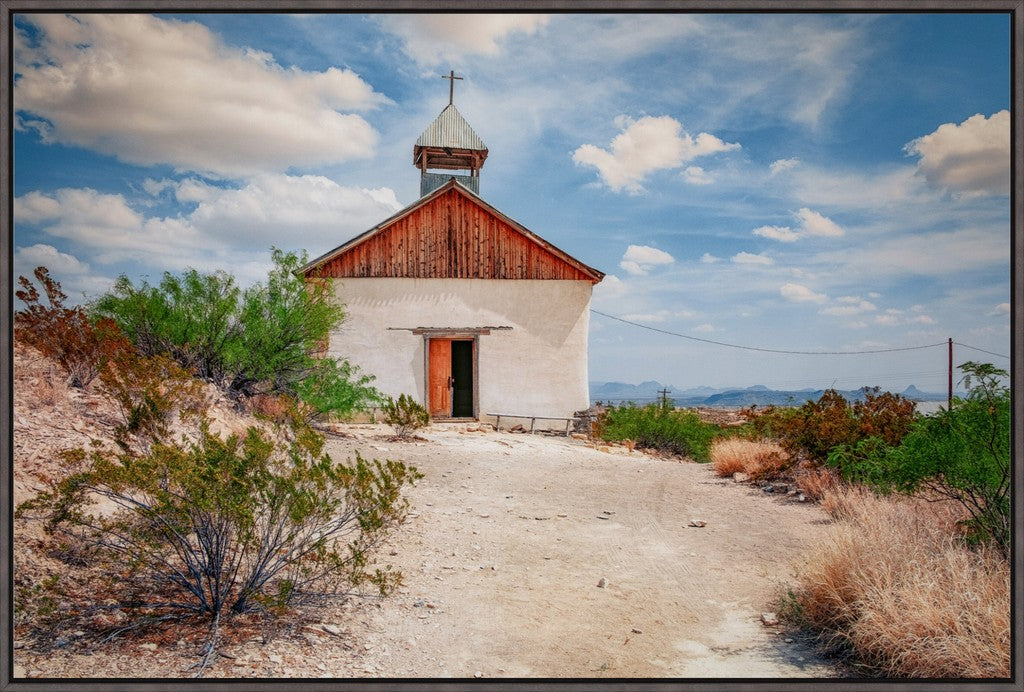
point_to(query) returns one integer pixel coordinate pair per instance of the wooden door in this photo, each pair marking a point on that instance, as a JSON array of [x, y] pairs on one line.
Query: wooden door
[[440, 384]]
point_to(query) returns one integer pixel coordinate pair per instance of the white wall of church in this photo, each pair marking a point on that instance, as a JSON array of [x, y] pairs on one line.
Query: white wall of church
[[536, 368]]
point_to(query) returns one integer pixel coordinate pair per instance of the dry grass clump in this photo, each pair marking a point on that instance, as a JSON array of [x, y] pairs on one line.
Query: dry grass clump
[[758, 459], [894, 585], [816, 481]]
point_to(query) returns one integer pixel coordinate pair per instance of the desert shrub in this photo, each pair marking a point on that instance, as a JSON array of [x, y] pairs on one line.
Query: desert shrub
[[816, 428], [891, 585], [336, 388], [148, 392], [404, 414], [192, 318], [227, 526], [67, 335], [262, 340], [758, 459], [658, 427], [962, 454]]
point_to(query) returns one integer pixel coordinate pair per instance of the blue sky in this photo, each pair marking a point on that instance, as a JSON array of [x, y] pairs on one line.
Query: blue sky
[[806, 182]]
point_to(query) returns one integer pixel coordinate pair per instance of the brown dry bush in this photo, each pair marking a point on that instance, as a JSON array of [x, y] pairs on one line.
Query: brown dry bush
[[758, 459], [894, 585]]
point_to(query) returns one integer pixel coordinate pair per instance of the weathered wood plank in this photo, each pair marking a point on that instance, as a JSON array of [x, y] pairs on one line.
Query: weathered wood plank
[[451, 237]]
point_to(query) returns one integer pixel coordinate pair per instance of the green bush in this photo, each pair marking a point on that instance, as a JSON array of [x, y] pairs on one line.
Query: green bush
[[404, 414], [661, 428], [962, 454], [337, 388], [227, 526], [265, 340]]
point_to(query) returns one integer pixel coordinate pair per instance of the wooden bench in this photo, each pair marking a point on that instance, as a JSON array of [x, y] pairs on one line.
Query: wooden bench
[[533, 420]]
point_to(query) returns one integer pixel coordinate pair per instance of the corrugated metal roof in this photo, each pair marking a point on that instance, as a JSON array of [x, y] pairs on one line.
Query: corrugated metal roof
[[451, 130]]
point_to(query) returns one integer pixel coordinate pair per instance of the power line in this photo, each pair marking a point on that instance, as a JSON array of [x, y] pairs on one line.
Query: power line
[[975, 348], [772, 350]]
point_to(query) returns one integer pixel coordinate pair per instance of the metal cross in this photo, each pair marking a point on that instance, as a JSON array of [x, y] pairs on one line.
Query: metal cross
[[451, 85]]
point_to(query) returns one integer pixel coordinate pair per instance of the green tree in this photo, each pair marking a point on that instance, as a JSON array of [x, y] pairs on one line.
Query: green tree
[[264, 340]]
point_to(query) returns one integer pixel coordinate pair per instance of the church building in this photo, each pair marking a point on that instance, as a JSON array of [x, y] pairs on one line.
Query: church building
[[458, 305]]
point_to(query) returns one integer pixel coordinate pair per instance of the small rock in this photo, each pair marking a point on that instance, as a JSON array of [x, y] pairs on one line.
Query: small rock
[[788, 640], [148, 646], [331, 629], [562, 516], [740, 477], [578, 436], [605, 449], [478, 674], [602, 583], [275, 658], [601, 516], [637, 631], [769, 489], [18, 644], [801, 498], [769, 619], [699, 523]]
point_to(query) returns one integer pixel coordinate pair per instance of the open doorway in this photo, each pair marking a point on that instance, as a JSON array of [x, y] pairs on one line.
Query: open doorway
[[451, 383]]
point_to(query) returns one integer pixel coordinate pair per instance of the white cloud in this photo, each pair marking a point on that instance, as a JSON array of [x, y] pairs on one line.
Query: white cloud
[[849, 306], [784, 234], [75, 277], [783, 165], [811, 223], [798, 293], [1001, 309], [947, 253], [704, 329], [610, 287], [749, 258], [433, 38], [659, 316], [638, 260], [163, 91], [695, 175], [708, 258], [644, 146], [292, 212], [972, 158]]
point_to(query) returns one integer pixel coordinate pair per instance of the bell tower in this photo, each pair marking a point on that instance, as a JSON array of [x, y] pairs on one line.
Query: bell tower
[[449, 144]]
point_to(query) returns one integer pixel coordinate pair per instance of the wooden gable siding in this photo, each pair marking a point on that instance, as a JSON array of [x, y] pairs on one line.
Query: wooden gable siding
[[450, 237]]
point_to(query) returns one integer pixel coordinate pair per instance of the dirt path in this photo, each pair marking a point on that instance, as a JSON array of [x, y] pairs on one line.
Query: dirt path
[[512, 534], [507, 541]]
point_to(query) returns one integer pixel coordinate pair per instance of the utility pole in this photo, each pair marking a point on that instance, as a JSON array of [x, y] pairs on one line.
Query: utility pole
[[664, 397], [949, 398]]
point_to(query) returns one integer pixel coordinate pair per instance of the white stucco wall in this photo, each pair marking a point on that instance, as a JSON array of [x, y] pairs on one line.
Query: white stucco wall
[[538, 367]]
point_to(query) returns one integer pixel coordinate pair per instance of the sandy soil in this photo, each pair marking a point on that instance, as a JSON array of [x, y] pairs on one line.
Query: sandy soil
[[532, 556]]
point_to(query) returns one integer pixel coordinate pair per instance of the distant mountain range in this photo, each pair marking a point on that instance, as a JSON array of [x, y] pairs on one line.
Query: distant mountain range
[[650, 392]]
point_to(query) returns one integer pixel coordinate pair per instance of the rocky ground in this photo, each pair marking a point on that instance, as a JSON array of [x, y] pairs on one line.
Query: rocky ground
[[523, 556]]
